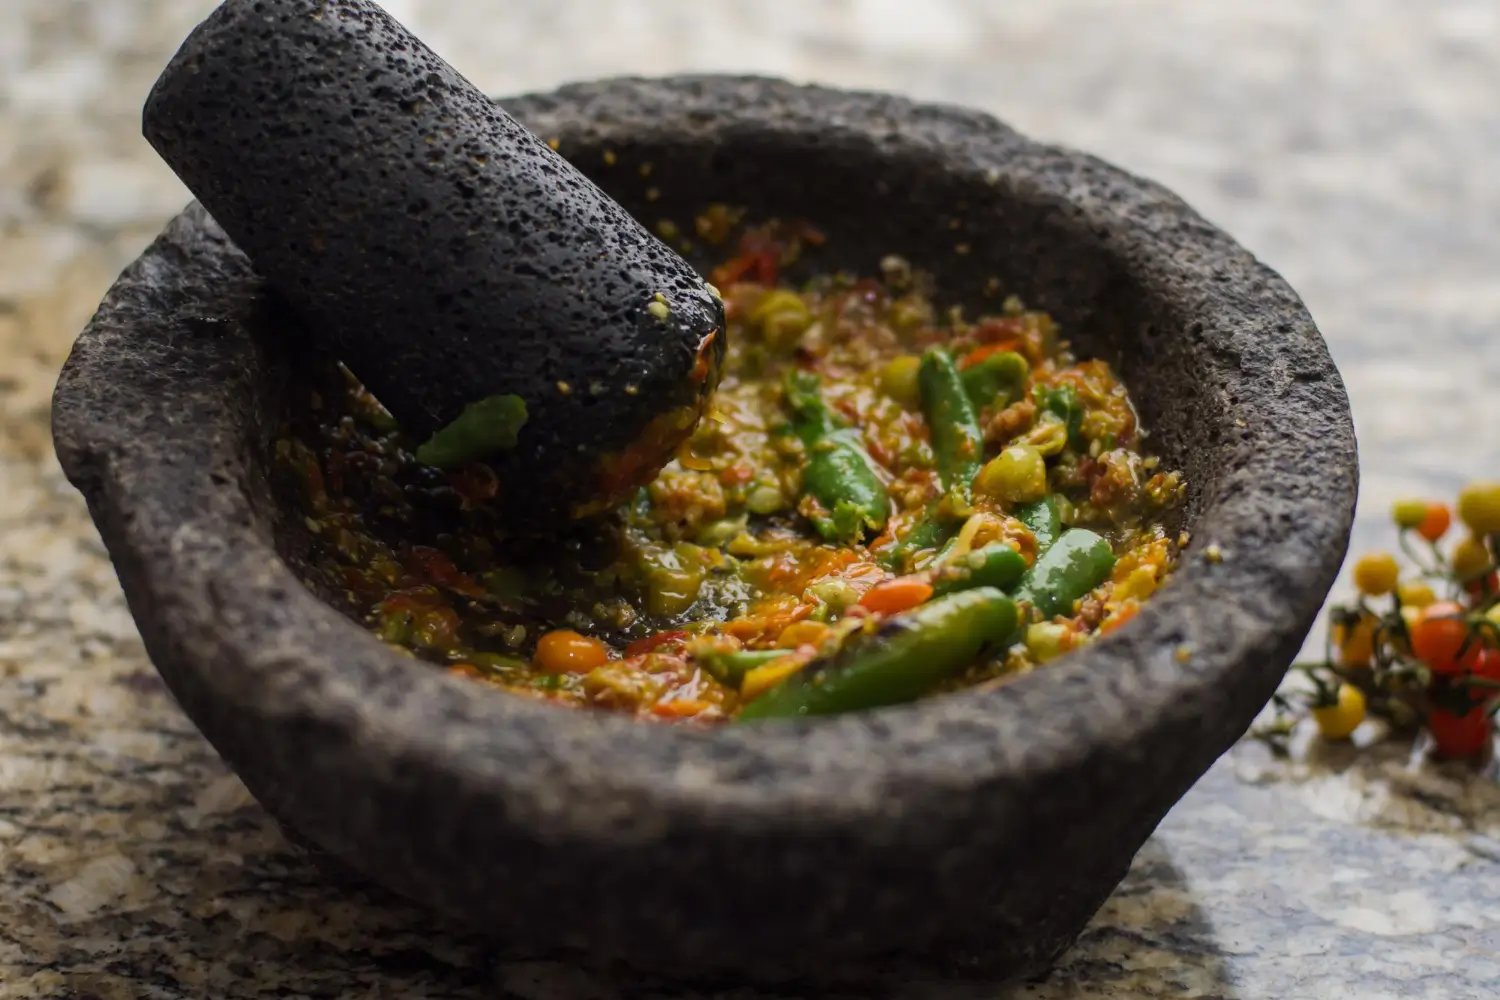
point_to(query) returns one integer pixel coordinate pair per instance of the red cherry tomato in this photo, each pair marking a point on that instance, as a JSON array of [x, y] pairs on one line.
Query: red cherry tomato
[[1439, 636], [1483, 586], [1487, 669], [1459, 736]]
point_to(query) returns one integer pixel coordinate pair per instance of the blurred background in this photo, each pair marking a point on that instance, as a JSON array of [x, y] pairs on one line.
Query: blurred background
[[1354, 145]]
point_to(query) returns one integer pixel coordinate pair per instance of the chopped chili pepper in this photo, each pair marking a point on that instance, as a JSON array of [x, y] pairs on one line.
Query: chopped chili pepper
[[819, 536]]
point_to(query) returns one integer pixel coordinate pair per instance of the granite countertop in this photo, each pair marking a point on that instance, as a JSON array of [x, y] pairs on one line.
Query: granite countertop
[[1352, 144]]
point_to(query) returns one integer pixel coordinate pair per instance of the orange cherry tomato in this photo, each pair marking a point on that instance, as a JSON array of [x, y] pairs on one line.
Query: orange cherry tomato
[[1460, 736], [567, 652], [895, 596], [1435, 521], [1439, 636]]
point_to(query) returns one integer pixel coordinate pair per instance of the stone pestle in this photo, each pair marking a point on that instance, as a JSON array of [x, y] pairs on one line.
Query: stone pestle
[[499, 304]]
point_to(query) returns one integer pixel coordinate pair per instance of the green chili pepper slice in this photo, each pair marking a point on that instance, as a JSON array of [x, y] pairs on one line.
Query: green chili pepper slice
[[929, 531], [839, 474], [998, 566], [995, 381], [909, 655], [957, 441], [490, 425], [730, 668], [1044, 518], [1062, 401], [1078, 562]]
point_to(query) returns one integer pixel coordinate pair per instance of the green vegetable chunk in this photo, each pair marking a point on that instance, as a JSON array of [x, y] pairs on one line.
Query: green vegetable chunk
[[997, 566], [1062, 401], [1044, 518], [839, 474], [487, 426], [1077, 563], [730, 668], [929, 531], [995, 381], [911, 654], [957, 441]]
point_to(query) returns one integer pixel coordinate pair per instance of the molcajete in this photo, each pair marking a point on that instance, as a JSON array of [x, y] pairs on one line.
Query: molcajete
[[971, 832]]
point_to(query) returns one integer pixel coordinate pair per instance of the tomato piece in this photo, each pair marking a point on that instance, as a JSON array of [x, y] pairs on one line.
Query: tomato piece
[[679, 708], [435, 628], [895, 596], [1009, 329], [474, 483], [978, 354], [1460, 736], [1121, 615], [737, 474], [360, 581], [1440, 638], [645, 645], [433, 566]]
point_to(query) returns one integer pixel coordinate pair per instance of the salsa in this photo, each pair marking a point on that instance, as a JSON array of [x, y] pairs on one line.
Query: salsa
[[885, 500]]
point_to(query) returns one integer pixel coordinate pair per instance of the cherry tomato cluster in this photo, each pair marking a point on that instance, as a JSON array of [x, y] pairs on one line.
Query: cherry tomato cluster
[[1420, 648]]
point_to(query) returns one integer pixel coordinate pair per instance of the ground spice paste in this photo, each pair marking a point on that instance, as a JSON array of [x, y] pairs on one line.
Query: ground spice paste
[[886, 500]]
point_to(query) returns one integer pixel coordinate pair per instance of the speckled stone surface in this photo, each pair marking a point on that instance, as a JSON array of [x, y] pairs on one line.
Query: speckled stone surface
[[437, 246], [1351, 145]]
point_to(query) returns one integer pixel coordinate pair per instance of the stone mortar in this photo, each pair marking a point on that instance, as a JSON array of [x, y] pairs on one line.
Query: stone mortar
[[974, 832]]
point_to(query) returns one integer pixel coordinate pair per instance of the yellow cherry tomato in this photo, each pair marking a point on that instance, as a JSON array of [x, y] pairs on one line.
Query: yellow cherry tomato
[[1415, 594], [1339, 720], [1376, 573], [1470, 558], [1408, 513], [1479, 507], [1356, 642]]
